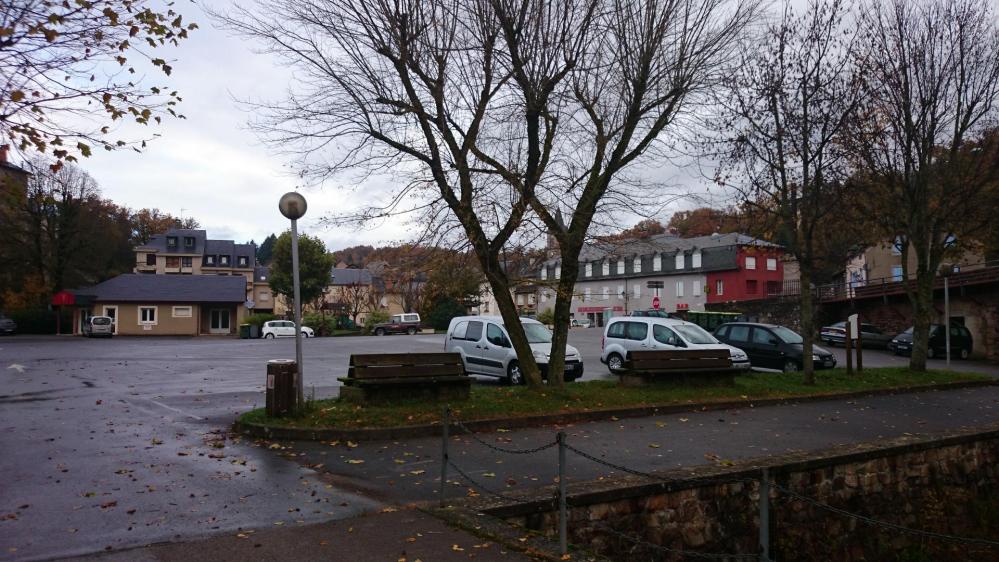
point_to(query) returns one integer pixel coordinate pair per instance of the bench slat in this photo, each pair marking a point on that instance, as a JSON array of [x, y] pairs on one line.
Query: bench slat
[[680, 354], [390, 371], [674, 364], [384, 359], [450, 379]]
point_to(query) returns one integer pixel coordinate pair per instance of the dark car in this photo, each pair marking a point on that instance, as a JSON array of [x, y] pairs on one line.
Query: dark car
[[771, 346], [408, 323], [870, 335], [960, 342], [7, 326]]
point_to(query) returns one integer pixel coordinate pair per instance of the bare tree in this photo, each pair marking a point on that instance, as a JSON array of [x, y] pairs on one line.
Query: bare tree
[[68, 71], [931, 89], [783, 117], [493, 109]]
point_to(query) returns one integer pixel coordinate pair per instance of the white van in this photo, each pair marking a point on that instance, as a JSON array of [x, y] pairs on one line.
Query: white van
[[629, 333], [485, 348]]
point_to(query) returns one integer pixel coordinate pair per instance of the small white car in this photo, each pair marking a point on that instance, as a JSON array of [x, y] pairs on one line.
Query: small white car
[[283, 329], [630, 333]]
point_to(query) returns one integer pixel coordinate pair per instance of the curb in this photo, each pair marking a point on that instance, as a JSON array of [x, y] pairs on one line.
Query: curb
[[431, 430]]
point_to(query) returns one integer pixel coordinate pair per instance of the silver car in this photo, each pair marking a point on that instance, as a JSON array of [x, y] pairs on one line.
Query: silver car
[[628, 333], [99, 326], [485, 348]]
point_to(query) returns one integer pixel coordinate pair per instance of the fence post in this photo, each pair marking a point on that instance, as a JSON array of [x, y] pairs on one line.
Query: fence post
[[563, 540], [848, 345], [765, 516], [444, 459]]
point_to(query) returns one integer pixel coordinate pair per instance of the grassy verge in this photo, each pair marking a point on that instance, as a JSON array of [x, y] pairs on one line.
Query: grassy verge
[[490, 402]]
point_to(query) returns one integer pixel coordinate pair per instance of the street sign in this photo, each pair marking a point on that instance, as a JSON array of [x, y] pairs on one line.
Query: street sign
[[655, 303], [655, 284], [854, 326]]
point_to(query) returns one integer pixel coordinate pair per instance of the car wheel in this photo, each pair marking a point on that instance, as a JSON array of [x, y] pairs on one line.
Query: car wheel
[[791, 366], [513, 375], [965, 352], [380, 332], [305, 335], [411, 331], [268, 336], [615, 363], [930, 354]]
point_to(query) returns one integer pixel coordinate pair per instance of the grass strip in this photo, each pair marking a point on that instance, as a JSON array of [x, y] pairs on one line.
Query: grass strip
[[492, 402]]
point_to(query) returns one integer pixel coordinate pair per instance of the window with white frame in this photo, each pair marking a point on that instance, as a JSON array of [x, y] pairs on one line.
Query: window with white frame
[[638, 291], [606, 293], [695, 288], [620, 266], [182, 312], [750, 262], [589, 270], [520, 298], [771, 264], [695, 260], [657, 263], [147, 315], [719, 287], [587, 294], [679, 260], [558, 272], [605, 268], [637, 266], [620, 292], [679, 288], [544, 272]]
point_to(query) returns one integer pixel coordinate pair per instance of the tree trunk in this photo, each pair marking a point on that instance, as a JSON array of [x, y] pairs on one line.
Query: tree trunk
[[560, 338], [511, 320], [807, 323], [922, 310]]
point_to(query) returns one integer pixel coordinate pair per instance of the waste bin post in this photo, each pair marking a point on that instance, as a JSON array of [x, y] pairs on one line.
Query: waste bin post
[[280, 388]]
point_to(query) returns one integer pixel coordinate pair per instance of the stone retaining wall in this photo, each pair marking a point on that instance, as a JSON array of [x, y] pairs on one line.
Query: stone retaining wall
[[946, 484]]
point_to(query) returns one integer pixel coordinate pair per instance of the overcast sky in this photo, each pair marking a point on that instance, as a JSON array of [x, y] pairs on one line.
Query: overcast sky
[[211, 167]]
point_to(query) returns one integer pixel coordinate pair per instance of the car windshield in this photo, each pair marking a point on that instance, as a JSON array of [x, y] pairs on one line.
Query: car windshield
[[789, 336], [102, 321], [909, 331], [536, 333], [694, 334]]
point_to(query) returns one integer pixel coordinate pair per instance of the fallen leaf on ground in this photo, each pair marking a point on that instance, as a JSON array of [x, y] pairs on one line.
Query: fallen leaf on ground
[[389, 510], [684, 420], [351, 444], [416, 472], [653, 445], [457, 548], [355, 461]]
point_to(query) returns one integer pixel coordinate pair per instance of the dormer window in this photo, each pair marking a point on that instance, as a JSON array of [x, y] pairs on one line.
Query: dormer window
[[209, 260], [243, 260], [223, 260], [605, 269], [188, 241], [171, 241]]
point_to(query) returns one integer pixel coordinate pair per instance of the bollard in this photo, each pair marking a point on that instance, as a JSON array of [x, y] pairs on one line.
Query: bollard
[[280, 394], [444, 430], [563, 539]]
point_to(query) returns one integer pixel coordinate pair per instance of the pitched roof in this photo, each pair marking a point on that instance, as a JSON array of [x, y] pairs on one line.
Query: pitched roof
[[159, 241], [134, 287], [665, 244], [220, 247], [342, 276], [261, 273]]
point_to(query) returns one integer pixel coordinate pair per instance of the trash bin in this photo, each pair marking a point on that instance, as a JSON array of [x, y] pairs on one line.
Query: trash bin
[[280, 394], [244, 331], [254, 331]]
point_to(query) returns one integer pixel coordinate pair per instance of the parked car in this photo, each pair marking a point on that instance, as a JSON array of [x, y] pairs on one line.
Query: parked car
[[772, 347], [580, 323], [408, 323], [485, 348], [283, 329], [99, 326], [651, 313], [961, 343], [7, 326], [870, 335], [625, 334]]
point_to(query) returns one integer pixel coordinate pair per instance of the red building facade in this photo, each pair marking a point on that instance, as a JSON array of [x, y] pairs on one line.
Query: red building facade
[[759, 270]]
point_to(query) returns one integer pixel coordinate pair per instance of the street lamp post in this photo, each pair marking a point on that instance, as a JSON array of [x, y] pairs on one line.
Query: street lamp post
[[293, 206]]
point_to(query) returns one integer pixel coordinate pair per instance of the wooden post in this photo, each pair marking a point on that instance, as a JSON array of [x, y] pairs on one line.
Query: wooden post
[[849, 351], [860, 347]]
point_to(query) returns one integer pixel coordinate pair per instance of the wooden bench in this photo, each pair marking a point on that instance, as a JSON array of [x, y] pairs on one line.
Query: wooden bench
[[686, 366], [386, 377]]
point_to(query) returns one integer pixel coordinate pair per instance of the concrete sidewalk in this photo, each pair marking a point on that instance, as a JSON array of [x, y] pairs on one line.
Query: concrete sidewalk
[[404, 535]]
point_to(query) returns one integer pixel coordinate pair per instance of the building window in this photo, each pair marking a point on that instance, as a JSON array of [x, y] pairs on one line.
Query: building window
[[589, 270], [657, 263], [620, 266], [605, 268], [544, 272], [695, 260], [587, 294], [558, 272], [638, 291], [209, 260], [637, 265], [520, 299], [679, 260], [679, 288], [147, 315], [172, 261], [243, 261], [188, 241], [773, 288], [719, 287], [182, 312], [171, 241], [896, 273], [695, 288], [150, 259], [223, 260], [771, 264], [751, 286], [187, 261], [750, 262], [606, 294], [264, 297], [620, 292]]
